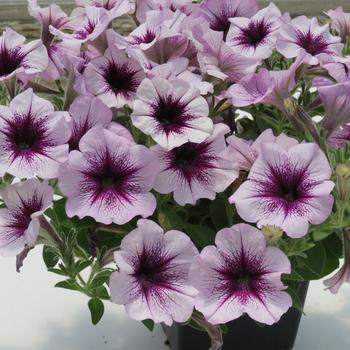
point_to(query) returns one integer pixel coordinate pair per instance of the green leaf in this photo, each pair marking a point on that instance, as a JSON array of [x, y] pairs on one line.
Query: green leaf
[[50, 257], [193, 324], [296, 247], [149, 324], [100, 278], [295, 298], [97, 309], [101, 293], [221, 212], [293, 276], [200, 235], [82, 265], [57, 271], [67, 284]]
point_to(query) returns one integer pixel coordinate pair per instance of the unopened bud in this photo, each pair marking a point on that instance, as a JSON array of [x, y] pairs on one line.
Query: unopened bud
[[343, 170], [272, 234]]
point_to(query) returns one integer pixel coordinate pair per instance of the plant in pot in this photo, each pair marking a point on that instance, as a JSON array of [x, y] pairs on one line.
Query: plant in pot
[[195, 170]]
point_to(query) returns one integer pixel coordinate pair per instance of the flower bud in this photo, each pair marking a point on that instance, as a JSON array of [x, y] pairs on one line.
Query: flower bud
[[272, 234]]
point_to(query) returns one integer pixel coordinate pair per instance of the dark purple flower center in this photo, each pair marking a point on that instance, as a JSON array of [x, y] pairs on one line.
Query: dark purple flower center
[[171, 114], [121, 79], [153, 268], [20, 217], [112, 175], [243, 277], [254, 34], [10, 60], [26, 135], [286, 187], [313, 44], [192, 161], [220, 21], [146, 38]]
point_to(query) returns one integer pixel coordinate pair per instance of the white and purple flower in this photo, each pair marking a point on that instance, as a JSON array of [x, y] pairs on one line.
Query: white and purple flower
[[288, 188], [304, 35], [240, 275], [340, 22], [218, 13], [195, 170], [152, 277], [109, 179], [113, 78], [87, 112], [19, 221], [18, 57], [171, 112], [255, 36], [33, 137]]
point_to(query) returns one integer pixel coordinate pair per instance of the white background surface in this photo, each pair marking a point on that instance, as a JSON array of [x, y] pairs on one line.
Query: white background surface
[[36, 316]]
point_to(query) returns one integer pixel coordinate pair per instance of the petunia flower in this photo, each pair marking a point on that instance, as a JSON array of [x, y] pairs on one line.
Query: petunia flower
[[18, 57], [219, 60], [109, 179], [95, 21], [114, 8], [304, 35], [19, 221], [336, 101], [87, 112], [113, 78], [179, 69], [343, 274], [340, 22], [270, 87], [53, 16], [171, 112], [255, 36], [143, 7], [195, 170], [243, 153], [152, 277], [288, 188], [339, 138], [33, 137], [240, 275], [218, 13]]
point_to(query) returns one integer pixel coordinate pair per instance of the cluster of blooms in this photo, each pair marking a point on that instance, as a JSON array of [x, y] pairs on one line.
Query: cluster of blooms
[[148, 119]]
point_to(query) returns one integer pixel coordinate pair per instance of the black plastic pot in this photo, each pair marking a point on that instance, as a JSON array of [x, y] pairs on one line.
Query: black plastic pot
[[243, 333]]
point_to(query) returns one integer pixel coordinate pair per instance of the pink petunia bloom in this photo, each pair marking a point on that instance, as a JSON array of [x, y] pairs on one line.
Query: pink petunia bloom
[[95, 21], [218, 13], [33, 137], [219, 60], [143, 7], [339, 138], [113, 78], [240, 275], [17, 57], [179, 69], [87, 112], [255, 37], [171, 112], [109, 179], [340, 22], [244, 153], [53, 16], [57, 53], [304, 35], [288, 188], [19, 221], [336, 101], [270, 87], [152, 277], [114, 8], [195, 170], [343, 274]]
